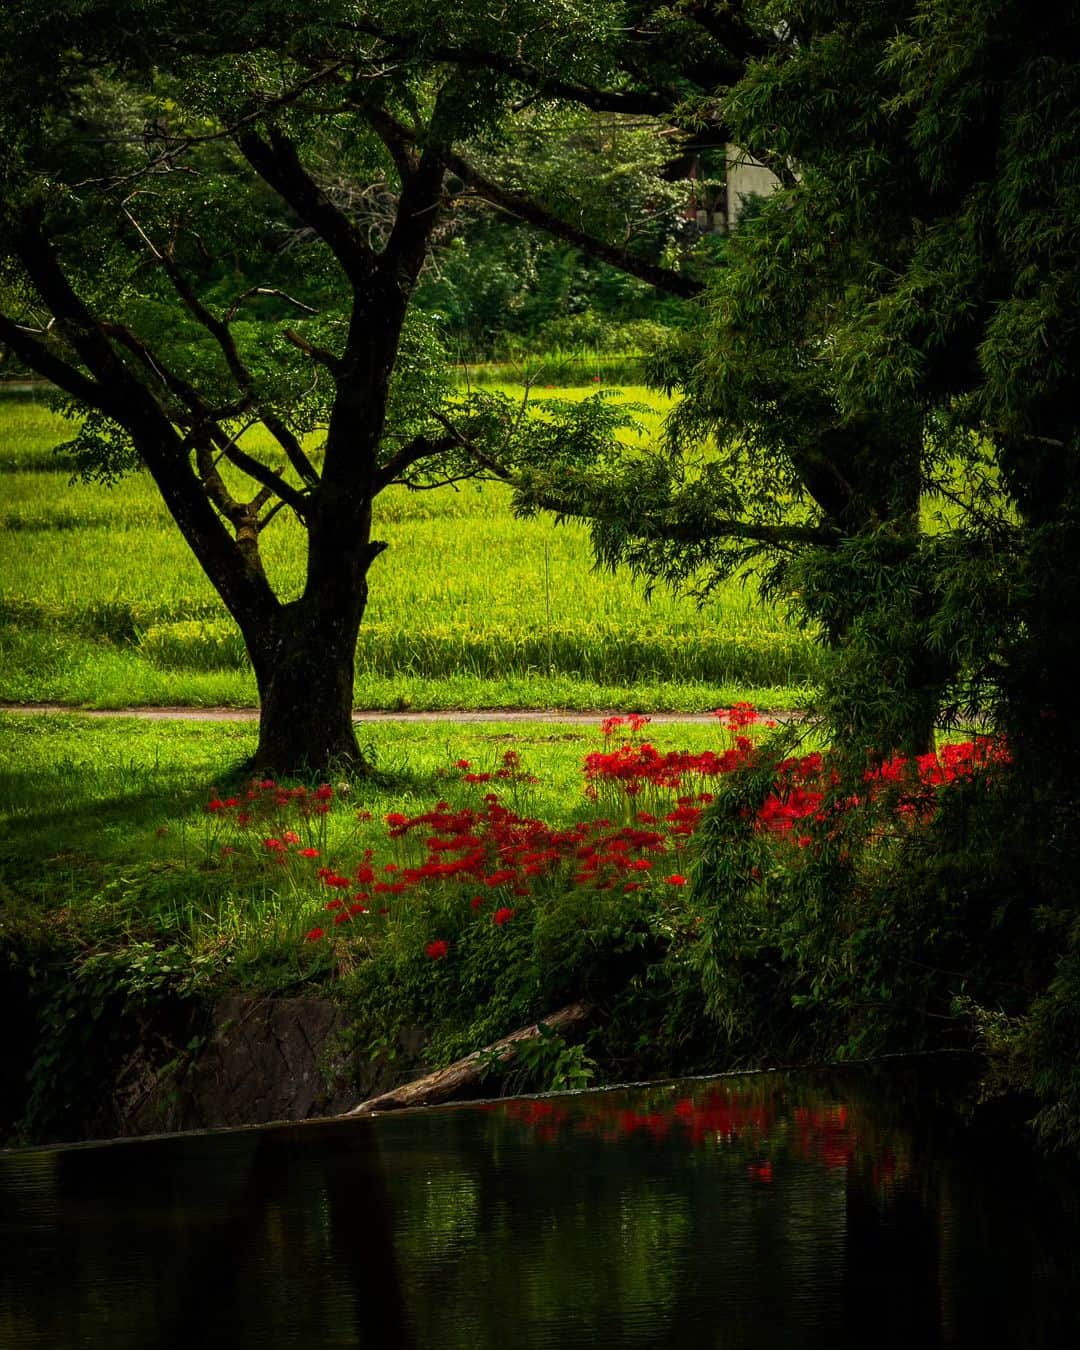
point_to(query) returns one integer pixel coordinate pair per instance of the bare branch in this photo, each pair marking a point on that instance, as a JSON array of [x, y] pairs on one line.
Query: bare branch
[[266, 290], [255, 468], [205, 430]]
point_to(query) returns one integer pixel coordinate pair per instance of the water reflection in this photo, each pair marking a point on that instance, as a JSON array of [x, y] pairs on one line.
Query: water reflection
[[771, 1211]]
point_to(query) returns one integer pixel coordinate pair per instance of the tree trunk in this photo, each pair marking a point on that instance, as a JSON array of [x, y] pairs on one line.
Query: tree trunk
[[304, 668]]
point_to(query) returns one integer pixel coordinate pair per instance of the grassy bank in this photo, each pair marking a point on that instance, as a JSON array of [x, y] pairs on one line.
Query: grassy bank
[[101, 603], [484, 877], [123, 897]]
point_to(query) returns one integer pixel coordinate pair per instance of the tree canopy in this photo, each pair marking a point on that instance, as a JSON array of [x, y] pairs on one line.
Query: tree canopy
[[218, 216]]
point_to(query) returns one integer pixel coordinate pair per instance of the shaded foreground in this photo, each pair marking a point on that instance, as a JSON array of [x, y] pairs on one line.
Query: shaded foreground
[[834, 1209]]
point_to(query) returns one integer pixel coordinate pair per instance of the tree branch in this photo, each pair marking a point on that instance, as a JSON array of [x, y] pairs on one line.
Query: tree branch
[[319, 354], [726, 23], [423, 447], [278, 164], [205, 430], [525, 208], [219, 330], [266, 290], [38, 357], [173, 147], [133, 405], [256, 469]]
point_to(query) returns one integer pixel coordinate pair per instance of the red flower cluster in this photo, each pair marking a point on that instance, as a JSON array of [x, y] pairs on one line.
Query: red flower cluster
[[952, 763], [264, 800], [510, 771], [635, 765], [739, 715], [632, 722], [491, 849]]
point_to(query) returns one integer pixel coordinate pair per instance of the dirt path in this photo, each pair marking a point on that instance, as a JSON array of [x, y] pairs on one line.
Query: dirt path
[[160, 714]]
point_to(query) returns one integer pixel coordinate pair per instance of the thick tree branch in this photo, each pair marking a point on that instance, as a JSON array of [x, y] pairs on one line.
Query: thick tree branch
[[525, 208], [37, 356], [206, 431], [256, 469], [219, 330], [726, 23], [423, 447], [399, 140], [318, 354], [133, 405]]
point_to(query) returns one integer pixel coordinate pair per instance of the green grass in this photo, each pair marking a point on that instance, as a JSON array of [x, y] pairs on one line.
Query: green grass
[[50, 666], [103, 835], [101, 603]]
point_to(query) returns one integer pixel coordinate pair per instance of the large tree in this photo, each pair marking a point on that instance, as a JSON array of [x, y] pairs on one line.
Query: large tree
[[888, 360], [216, 216], [886, 337]]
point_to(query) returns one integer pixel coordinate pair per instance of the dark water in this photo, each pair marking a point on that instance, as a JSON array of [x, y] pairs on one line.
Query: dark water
[[837, 1210]]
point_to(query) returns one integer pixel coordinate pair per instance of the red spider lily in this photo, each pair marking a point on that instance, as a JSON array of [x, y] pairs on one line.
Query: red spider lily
[[314, 935], [437, 950], [489, 847], [503, 915], [633, 722], [739, 715]]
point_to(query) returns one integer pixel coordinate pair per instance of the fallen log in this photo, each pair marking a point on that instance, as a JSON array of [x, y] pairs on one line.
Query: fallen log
[[444, 1084]]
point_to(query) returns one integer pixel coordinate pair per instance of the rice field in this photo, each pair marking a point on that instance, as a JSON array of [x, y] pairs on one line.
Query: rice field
[[101, 603]]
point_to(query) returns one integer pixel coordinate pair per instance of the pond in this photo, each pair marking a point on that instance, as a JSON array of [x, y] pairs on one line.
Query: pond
[[831, 1209]]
